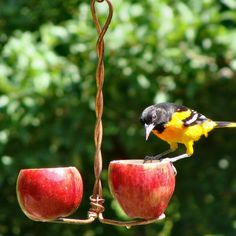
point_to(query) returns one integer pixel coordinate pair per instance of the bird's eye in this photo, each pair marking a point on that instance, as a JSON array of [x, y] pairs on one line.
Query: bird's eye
[[154, 116]]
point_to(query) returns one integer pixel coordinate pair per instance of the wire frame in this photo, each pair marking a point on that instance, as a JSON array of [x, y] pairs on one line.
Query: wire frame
[[96, 200]]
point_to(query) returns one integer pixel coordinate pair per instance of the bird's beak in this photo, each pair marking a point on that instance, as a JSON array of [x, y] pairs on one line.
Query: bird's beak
[[148, 129]]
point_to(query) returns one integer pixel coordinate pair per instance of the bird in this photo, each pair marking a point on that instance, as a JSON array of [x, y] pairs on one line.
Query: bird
[[177, 124]]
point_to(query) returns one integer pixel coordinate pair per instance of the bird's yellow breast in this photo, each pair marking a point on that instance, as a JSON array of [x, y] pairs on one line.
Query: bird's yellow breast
[[175, 131]]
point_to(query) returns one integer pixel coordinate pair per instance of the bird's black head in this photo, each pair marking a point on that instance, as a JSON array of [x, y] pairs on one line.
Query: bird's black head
[[156, 116], [149, 116]]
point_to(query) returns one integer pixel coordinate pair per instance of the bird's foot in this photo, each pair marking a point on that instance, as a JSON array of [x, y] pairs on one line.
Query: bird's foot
[[151, 158]]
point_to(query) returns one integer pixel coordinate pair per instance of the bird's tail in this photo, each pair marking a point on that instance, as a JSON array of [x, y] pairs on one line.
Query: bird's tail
[[222, 124]]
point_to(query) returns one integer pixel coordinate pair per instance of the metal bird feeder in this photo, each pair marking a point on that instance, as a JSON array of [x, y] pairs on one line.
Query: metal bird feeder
[[97, 209]]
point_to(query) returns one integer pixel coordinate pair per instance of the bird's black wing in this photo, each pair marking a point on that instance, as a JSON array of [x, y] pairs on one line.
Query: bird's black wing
[[194, 118]]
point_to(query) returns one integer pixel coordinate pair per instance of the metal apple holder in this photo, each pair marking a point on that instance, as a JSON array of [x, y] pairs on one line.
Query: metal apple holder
[[96, 200]]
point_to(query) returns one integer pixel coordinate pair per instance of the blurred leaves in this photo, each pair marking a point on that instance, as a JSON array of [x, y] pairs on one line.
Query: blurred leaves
[[155, 51]]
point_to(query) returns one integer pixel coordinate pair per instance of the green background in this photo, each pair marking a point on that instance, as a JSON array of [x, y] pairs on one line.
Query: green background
[[155, 51]]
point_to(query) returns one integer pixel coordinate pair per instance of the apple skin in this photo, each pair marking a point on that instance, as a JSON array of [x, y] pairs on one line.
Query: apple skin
[[48, 193], [143, 190]]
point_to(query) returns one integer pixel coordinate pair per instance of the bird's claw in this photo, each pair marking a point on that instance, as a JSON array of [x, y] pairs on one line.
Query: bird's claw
[[152, 158], [149, 159]]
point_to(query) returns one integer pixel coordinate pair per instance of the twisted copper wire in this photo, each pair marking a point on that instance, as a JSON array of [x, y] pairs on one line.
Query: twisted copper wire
[[96, 200]]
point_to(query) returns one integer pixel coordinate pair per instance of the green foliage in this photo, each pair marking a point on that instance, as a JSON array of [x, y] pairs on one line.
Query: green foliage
[[179, 51]]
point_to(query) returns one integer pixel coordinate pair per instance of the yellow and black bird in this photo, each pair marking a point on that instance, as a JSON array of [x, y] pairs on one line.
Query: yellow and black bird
[[177, 124]]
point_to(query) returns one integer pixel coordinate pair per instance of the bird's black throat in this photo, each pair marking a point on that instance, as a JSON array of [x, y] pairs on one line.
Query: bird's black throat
[[160, 127]]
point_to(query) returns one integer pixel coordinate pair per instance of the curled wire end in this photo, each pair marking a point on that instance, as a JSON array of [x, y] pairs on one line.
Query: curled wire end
[[97, 207], [174, 169]]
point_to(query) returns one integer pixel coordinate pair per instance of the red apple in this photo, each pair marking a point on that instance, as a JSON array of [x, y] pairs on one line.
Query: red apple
[[143, 190], [48, 193]]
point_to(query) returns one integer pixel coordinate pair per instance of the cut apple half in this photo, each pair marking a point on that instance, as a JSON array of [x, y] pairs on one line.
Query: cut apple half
[[48, 193], [143, 190]]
